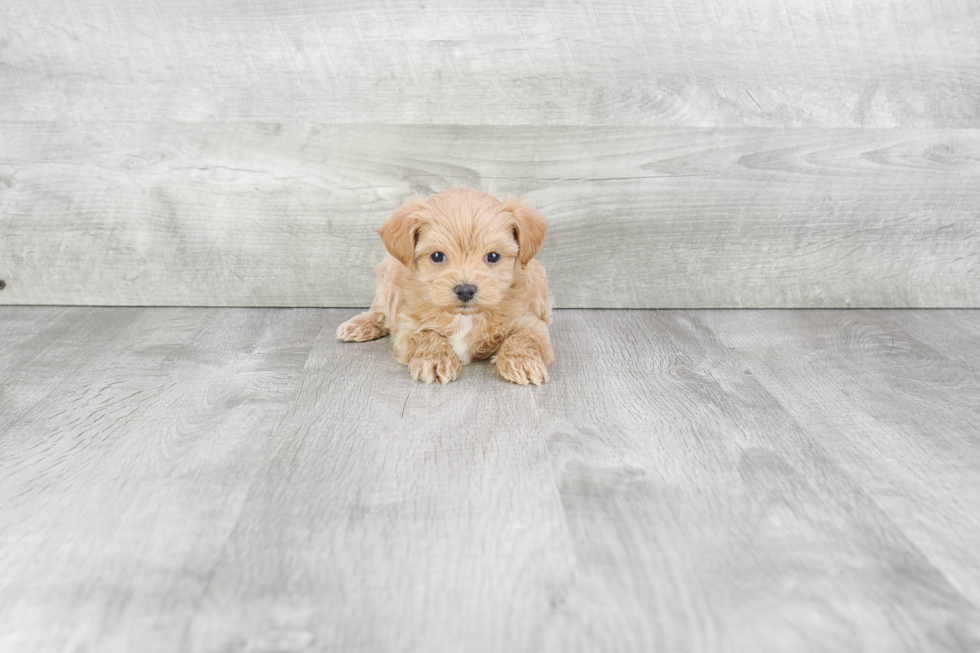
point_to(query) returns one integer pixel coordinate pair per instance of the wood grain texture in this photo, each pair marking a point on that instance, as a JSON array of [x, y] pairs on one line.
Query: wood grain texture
[[226, 479], [686, 482], [285, 215], [922, 404], [455, 484], [695, 63], [127, 445]]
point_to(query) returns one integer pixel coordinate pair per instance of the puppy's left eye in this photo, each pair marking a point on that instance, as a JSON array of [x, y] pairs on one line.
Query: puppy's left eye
[[492, 257]]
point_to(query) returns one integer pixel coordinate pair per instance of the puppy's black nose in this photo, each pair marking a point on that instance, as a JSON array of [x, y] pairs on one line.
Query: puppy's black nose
[[465, 291]]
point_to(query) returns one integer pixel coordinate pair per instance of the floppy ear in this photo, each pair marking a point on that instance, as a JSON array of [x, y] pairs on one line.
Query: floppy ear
[[529, 229], [400, 231]]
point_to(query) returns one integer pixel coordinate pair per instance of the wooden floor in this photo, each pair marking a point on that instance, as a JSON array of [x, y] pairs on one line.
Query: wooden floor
[[187, 480]]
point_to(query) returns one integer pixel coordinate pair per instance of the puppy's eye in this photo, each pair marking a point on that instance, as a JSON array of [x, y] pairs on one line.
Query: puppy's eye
[[437, 257], [492, 257]]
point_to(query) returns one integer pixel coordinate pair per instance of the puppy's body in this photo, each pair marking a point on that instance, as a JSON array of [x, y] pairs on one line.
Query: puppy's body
[[447, 243], [474, 334]]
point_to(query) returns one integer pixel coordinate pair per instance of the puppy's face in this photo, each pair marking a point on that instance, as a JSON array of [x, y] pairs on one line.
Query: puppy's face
[[466, 264], [464, 247]]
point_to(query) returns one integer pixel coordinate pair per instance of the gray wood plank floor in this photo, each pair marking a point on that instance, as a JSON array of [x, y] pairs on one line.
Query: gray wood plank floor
[[180, 479]]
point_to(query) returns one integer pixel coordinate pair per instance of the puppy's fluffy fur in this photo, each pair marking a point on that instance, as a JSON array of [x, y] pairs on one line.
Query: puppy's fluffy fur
[[432, 329]]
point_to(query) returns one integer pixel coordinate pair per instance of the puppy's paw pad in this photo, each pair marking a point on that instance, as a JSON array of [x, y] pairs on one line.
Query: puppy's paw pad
[[523, 370], [361, 328], [429, 368]]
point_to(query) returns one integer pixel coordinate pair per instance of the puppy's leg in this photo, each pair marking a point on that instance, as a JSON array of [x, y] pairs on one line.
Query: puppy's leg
[[525, 355], [369, 325], [373, 323], [431, 358]]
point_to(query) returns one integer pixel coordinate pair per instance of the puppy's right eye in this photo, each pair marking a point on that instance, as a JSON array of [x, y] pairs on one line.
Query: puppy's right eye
[[437, 257]]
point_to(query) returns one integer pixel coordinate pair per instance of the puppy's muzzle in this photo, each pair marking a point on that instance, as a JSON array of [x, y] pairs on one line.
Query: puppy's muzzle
[[465, 292]]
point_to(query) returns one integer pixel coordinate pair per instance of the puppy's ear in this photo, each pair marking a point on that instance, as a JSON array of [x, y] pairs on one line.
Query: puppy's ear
[[400, 231], [529, 229]]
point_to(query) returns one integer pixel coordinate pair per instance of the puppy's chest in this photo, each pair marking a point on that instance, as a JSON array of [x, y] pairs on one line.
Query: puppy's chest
[[472, 339]]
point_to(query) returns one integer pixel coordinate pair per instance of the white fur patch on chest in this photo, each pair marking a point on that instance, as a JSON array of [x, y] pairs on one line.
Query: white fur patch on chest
[[461, 340]]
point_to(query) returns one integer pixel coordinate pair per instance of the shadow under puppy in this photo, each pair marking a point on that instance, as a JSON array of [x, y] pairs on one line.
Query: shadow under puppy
[[461, 284]]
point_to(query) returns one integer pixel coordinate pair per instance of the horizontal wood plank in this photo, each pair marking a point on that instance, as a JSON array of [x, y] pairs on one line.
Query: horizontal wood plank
[[285, 215], [696, 63]]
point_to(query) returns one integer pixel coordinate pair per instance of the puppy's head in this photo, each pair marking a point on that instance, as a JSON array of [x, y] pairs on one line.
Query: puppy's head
[[466, 247]]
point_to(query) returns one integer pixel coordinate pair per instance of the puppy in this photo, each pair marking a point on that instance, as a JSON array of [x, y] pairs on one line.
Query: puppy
[[461, 284]]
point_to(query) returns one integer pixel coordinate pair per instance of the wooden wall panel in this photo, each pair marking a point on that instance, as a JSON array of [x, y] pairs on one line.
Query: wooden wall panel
[[284, 215], [698, 63], [692, 153]]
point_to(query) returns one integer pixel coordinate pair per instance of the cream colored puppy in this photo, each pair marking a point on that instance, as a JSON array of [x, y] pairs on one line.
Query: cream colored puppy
[[461, 284]]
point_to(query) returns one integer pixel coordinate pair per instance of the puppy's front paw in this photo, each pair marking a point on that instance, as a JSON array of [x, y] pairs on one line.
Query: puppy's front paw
[[361, 328], [435, 366], [522, 369]]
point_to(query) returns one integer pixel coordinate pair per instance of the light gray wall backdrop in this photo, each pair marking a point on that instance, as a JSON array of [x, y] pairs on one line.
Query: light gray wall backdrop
[[689, 153]]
